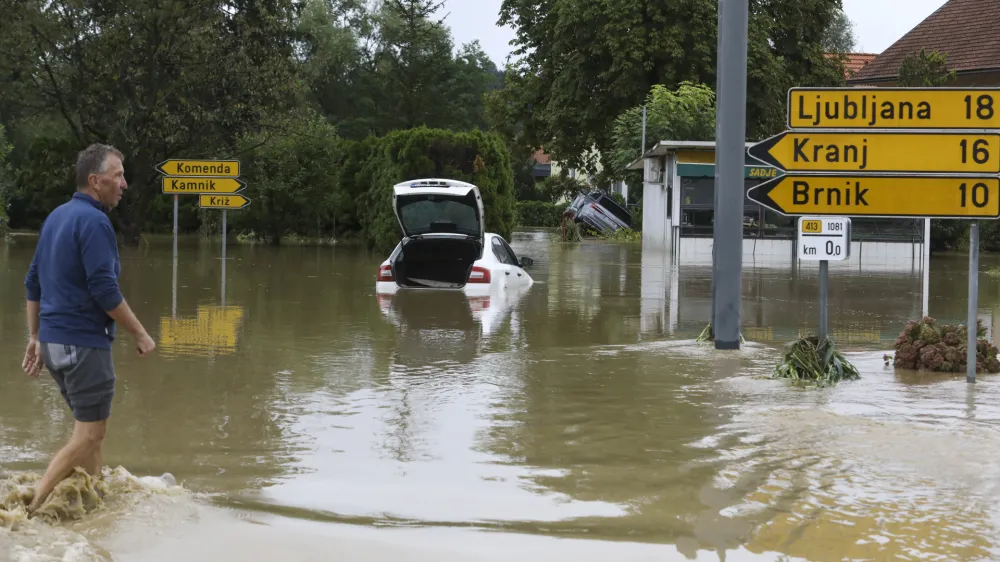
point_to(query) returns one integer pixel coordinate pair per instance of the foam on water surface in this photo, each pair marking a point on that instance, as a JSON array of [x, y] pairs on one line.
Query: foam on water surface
[[79, 509]]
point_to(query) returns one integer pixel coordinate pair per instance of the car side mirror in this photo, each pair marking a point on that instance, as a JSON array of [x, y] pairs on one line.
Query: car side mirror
[[527, 262]]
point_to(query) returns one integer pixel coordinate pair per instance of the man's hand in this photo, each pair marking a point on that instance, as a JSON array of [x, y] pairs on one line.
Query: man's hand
[[144, 344], [32, 363]]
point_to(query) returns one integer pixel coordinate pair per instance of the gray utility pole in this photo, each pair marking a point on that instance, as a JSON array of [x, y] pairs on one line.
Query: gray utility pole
[[643, 151], [971, 340], [730, 157]]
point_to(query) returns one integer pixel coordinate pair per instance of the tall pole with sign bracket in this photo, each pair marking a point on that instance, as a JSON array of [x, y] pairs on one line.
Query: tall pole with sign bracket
[[727, 247], [216, 182], [923, 153]]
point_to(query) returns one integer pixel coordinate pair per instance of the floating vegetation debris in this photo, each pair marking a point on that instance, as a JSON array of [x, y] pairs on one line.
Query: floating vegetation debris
[[708, 335], [928, 346], [815, 363], [622, 235], [570, 230]]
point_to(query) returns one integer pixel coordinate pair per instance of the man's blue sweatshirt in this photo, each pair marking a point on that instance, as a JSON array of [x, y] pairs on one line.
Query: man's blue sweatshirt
[[74, 275]]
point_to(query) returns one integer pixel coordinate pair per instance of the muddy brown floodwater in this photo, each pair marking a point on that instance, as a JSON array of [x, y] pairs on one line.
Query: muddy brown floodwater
[[304, 418]]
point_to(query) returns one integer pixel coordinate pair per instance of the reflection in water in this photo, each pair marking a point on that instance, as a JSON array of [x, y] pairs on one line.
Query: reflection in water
[[213, 331], [577, 408]]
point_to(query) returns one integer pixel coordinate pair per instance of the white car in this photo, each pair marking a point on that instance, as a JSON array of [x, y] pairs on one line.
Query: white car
[[444, 243]]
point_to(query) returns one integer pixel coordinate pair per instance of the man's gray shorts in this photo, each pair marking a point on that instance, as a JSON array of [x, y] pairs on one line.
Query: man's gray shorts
[[86, 378]]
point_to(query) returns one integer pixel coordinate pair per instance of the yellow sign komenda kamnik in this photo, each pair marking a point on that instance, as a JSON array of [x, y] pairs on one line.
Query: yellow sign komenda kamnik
[[894, 108], [888, 196], [202, 185], [881, 152], [204, 168]]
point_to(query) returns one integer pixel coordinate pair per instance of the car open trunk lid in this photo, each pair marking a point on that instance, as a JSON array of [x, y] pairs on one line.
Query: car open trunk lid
[[442, 223], [439, 207]]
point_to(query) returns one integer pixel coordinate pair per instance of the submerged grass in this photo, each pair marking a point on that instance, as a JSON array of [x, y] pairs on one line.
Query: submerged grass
[[812, 362], [622, 235]]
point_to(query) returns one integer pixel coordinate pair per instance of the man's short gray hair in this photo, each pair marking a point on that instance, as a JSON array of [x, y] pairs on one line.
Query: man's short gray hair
[[91, 160]]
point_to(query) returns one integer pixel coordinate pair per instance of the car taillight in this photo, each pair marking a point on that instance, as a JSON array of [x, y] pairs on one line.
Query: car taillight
[[479, 275], [384, 273]]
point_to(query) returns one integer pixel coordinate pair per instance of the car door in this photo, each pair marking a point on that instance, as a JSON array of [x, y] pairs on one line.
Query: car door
[[518, 276], [505, 265]]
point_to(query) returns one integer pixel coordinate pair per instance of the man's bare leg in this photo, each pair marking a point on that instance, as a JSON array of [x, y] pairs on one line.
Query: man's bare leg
[[83, 448]]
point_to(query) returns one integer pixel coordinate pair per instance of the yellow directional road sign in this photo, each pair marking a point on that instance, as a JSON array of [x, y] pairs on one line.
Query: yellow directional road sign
[[203, 168], [222, 201], [892, 196], [203, 185], [881, 152], [894, 108]]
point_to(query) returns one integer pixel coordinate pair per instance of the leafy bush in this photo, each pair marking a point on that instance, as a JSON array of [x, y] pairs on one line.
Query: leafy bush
[[561, 186], [291, 180], [809, 360], [539, 213], [926, 346], [373, 166]]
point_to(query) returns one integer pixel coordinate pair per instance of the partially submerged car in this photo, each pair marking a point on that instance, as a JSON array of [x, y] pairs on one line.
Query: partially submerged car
[[445, 245], [600, 212]]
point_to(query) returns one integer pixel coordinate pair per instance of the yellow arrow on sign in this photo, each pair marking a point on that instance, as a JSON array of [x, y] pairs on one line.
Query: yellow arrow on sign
[[203, 185], [894, 108], [203, 168], [892, 196], [881, 152], [222, 201]]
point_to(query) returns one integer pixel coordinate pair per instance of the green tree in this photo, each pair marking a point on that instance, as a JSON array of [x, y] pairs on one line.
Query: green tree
[[561, 186], [371, 71], [336, 66], [839, 37], [687, 113], [475, 76], [291, 180], [583, 63], [930, 69], [156, 78], [415, 66], [925, 69]]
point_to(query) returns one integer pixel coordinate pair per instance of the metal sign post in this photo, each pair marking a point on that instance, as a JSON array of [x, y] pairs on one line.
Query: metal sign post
[[216, 183], [970, 357], [727, 262], [824, 239]]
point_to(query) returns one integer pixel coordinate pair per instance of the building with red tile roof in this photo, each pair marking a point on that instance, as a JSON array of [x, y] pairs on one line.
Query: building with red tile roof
[[854, 62], [964, 30]]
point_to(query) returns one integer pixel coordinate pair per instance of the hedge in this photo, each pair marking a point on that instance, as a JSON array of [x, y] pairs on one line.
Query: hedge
[[539, 213], [373, 166]]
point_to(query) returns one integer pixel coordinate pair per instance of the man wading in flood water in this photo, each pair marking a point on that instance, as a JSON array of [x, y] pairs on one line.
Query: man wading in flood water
[[73, 305]]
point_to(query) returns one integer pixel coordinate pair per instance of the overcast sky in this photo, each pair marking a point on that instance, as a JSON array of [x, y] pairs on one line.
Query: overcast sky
[[877, 23]]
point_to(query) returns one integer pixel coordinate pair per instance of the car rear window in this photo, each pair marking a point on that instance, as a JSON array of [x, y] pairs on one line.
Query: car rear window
[[438, 215], [615, 209]]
